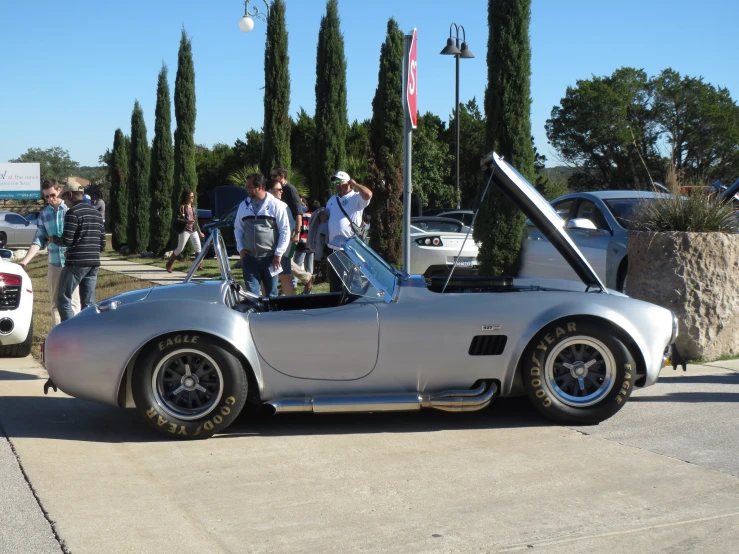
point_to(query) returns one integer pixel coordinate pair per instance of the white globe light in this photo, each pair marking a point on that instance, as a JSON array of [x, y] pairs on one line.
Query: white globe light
[[246, 23]]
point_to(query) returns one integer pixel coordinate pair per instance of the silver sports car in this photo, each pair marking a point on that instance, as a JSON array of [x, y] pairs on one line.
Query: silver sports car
[[189, 356]]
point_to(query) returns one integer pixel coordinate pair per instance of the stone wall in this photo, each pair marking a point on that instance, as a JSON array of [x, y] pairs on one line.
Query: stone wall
[[696, 276]]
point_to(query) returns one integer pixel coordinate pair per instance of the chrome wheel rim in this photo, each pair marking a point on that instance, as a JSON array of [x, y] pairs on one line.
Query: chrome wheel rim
[[580, 371], [187, 384]]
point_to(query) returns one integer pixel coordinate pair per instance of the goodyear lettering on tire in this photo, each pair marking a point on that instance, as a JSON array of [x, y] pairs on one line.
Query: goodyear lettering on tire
[[535, 371]]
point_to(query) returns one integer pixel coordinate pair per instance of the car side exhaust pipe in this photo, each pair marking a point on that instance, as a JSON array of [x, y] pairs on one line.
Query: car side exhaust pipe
[[447, 401]]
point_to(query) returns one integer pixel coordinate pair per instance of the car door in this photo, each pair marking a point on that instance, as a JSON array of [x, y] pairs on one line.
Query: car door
[[593, 243], [540, 258], [336, 344]]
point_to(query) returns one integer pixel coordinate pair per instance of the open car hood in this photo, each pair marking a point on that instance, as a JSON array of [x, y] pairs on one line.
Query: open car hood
[[731, 192], [541, 214]]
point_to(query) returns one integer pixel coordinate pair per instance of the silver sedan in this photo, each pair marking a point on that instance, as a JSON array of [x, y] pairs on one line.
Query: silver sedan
[[598, 223], [15, 231]]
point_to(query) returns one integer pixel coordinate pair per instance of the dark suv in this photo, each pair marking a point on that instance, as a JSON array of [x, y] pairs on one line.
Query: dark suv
[[225, 224]]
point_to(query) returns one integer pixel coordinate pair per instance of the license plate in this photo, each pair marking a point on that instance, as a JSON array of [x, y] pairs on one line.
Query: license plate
[[462, 261]]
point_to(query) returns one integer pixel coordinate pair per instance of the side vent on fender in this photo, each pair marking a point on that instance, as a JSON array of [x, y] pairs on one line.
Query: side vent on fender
[[488, 345]]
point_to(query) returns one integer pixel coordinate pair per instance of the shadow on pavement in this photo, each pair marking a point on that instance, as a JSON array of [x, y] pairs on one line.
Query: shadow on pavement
[[78, 420], [691, 397], [732, 379], [16, 376]]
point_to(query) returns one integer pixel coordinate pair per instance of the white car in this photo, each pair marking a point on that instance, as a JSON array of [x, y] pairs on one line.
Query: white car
[[436, 242], [16, 308]]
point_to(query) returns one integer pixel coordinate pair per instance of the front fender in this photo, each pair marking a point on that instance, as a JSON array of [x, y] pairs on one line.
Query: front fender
[[87, 355], [650, 339]]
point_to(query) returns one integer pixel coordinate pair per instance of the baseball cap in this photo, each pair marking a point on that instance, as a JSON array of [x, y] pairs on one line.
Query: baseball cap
[[73, 187], [340, 177]]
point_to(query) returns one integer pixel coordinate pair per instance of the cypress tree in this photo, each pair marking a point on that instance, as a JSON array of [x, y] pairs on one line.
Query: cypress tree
[[500, 225], [185, 174], [276, 145], [386, 145], [161, 181], [119, 190], [138, 209], [331, 119]]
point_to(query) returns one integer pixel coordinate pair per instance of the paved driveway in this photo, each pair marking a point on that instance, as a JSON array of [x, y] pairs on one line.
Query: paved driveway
[[661, 476]]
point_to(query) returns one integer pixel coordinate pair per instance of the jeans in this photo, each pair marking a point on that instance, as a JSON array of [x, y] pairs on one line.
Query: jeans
[[304, 258], [182, 241], [72, 277], [256, 272]]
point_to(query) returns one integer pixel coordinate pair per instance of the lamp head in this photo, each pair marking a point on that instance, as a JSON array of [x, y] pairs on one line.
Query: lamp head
[[246, 24], [465, 52], [450, 49]]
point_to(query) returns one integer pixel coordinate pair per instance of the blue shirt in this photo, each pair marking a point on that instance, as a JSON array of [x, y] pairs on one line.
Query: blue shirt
[[51, 224]]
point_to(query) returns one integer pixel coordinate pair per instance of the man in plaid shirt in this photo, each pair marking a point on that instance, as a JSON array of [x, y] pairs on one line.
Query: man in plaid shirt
[[51, 224]]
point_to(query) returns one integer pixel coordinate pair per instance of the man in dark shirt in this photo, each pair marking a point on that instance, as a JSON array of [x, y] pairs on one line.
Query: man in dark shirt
[[84, 238]]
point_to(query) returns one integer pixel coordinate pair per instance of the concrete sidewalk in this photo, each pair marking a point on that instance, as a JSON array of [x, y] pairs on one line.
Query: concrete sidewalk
[[498, 480], [151, 273]]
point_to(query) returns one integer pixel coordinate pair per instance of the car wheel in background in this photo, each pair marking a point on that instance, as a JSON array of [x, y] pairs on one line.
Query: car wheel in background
[[3, 239], [187, 387], [19, 350], [622, 280], [576, 372]]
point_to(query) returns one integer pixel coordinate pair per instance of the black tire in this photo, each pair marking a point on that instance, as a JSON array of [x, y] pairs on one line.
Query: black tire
[[623, 273], [210, 378], [598, 381], [20, 350], [3, 239]]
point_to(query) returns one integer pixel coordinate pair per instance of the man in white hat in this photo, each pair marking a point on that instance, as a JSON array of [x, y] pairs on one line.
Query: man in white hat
[[345, 210]]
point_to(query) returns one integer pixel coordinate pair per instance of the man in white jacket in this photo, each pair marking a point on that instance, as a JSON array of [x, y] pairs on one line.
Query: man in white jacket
[[262, 233]]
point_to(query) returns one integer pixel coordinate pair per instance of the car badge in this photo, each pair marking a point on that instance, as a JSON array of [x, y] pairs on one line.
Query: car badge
[[491, 327]]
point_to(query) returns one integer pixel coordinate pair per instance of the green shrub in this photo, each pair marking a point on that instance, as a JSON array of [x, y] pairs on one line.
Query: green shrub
[[696, 213]]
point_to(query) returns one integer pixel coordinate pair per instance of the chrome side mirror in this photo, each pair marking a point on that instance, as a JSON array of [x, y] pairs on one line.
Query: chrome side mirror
[[581, 223]]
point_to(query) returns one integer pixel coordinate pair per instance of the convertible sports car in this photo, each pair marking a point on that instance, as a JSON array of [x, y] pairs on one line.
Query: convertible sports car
[[189, 356], [436, 244]]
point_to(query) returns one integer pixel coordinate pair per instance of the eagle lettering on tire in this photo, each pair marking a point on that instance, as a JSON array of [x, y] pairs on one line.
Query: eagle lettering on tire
[[578, 372], [187, 386]]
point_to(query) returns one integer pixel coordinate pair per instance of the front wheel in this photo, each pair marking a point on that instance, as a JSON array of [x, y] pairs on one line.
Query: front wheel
[[187, 386], [577, 372]]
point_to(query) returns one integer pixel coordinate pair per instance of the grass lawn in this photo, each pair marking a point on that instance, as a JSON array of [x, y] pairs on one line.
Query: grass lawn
[[210, 268], [109, 284]]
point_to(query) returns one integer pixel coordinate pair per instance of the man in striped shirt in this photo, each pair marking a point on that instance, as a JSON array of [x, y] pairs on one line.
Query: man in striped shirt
[[84, 238], [51, 224]]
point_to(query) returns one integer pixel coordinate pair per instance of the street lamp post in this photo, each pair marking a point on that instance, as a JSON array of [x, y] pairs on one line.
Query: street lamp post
[[453, 49], [246, 23]]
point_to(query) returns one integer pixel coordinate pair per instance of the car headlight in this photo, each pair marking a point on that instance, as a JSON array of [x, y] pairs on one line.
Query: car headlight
[[674, 328]]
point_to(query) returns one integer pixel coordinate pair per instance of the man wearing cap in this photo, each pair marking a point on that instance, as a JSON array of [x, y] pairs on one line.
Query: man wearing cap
[[344, 215], [51, 224], [84, 238]]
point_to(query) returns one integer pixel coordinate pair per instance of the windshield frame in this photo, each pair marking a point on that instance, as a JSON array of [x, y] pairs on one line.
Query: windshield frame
[[381, 275]]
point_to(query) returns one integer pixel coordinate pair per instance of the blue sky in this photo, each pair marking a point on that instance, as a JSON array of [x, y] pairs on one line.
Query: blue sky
[[70, 71]]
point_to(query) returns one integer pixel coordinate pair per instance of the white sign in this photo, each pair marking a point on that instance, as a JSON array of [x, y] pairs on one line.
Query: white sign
[[20, 181]]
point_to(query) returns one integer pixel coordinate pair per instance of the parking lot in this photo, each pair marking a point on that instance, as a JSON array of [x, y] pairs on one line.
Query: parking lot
[[661, 476]]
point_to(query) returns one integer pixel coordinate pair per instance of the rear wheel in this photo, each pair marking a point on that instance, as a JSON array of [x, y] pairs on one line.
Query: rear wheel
[[19, 350], [3, 239], [577, 372], [187, 386]]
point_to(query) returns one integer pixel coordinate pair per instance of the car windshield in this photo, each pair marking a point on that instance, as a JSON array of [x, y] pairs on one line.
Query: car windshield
[[363, 272], [438, 226], [623, 209]]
